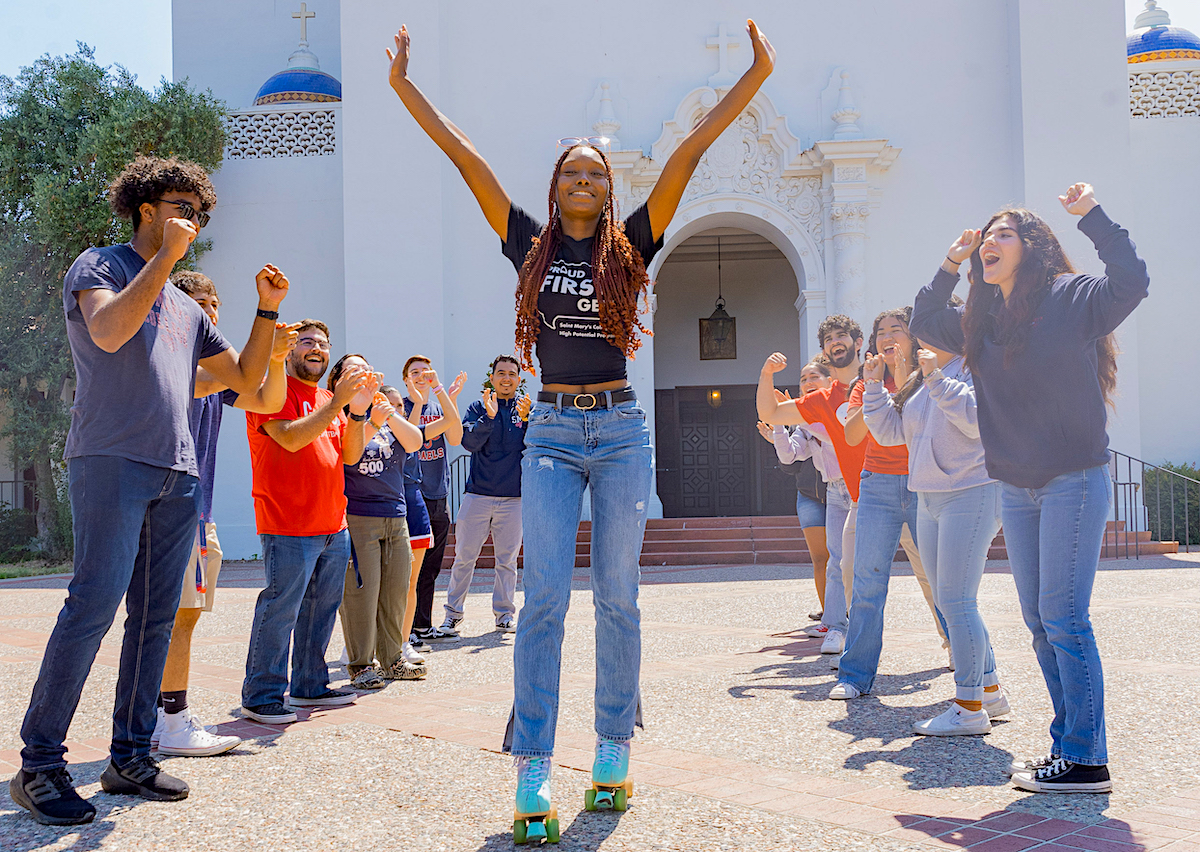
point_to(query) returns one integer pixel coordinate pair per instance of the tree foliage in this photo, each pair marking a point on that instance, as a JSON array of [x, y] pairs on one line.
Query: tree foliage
[[67, 127]]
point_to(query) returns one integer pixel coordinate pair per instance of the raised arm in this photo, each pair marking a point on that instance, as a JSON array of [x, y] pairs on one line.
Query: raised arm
[[667, 192], [294, 435], [771, 409], [244, 371], [480, 178]]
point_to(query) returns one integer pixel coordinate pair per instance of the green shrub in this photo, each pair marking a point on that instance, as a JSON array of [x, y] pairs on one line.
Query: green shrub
[[1173, 504], [18, 527]]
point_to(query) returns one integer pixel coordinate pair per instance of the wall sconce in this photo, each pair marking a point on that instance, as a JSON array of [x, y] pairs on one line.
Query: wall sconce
[[714, 397]]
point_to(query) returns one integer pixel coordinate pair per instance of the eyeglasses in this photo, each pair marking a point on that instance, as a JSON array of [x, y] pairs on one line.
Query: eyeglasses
[[187, 211], [569, 142], [313, 343]]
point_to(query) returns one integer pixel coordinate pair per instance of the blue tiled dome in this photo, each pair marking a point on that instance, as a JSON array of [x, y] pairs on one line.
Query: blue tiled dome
[[299, 85], [1152, 43]]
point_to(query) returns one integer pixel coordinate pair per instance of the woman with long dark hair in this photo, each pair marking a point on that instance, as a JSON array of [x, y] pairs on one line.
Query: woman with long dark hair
[[580, 276], [1037, 340]]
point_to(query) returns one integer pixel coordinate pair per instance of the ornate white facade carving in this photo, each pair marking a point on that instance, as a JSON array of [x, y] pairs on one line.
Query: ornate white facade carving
[[271, 133], [1164, 94]]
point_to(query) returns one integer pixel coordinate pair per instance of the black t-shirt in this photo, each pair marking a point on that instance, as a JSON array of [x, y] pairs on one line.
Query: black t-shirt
[[571, 346]]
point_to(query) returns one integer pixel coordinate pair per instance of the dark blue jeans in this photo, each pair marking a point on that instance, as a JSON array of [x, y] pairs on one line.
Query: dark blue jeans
[[135, 525], [305, 578]]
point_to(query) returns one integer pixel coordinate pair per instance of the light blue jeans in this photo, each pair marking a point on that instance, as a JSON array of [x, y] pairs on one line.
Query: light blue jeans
[[305, 578], [837, 509], [956, 529], [885, 505], [566, 450], [1054, 535]]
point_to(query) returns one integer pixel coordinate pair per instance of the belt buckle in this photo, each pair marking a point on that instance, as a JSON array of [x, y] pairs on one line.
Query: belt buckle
[[579, 396]]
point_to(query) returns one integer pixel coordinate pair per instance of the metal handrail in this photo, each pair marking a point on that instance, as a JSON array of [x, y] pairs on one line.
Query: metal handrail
[[459, 470], [1140, 515]]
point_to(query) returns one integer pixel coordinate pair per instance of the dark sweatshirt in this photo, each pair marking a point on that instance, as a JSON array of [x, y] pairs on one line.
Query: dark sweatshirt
[[1044, 415], [495, 444]]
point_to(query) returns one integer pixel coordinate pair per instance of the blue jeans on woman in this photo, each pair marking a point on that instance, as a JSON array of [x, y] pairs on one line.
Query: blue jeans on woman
[[885, 505], [305, 578], [567, 450], [1054, 535], [956, 529], [134, 527]]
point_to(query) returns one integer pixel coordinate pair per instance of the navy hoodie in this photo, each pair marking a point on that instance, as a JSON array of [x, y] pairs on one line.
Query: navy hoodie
[[1044, 415], [495, 444]]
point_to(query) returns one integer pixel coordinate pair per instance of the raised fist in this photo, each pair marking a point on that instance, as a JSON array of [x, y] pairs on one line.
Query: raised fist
[[873, 368], [177, 237], [272, 287], [775, 363], [965, 245], [1079, 200], [927, 360]]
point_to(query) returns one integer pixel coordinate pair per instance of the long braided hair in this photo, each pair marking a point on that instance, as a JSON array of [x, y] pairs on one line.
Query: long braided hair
[[1042, 261], [618, 274]]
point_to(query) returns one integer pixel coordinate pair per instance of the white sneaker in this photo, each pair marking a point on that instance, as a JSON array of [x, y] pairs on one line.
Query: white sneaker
[[835, 662], [996, 705], [451, 625], [956, 721], [835, 642], [817, 631], [844, 692], [184, 734], [158, 728], [506, 624], [412, 655]]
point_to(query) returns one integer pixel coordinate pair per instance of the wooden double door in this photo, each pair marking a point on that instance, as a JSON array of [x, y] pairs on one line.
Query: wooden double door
[[711, 461]]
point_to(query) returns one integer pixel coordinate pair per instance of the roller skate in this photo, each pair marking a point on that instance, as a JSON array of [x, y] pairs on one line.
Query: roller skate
[[533, 819], [611, 787]]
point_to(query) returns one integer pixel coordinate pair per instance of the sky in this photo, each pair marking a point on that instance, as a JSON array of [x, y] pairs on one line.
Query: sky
[[138, 36]]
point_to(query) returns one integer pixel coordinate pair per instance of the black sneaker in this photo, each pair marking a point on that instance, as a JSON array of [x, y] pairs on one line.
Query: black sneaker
[[328, 698], [417, 640], [50, 796], [270, 714], [142, 777], [1032, 765], [1062, 776]]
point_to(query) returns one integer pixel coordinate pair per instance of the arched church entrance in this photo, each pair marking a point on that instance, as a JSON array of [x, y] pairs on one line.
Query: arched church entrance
[[711, 461]]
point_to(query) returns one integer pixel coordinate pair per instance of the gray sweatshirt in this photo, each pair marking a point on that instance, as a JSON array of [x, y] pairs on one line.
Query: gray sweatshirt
[[939, 426]]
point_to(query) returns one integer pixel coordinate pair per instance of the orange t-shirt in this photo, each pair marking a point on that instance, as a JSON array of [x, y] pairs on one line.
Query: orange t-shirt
[[821, 406], [881, 459], [300, 493]]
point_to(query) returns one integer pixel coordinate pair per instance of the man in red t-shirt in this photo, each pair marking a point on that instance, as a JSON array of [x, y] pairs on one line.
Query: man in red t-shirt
[[840, 339], [300, 506]]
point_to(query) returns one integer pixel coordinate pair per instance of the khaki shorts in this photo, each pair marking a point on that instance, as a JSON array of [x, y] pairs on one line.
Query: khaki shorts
[[191, 597]]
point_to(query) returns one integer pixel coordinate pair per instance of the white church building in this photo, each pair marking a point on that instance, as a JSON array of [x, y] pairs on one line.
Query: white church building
[[885, 130]]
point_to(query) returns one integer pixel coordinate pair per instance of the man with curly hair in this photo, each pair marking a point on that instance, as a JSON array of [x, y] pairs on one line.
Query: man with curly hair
[[133, 477]]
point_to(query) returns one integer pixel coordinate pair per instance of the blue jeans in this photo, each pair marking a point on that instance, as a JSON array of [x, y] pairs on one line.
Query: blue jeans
[[134, 526], [956, 529], [305, 579], [885, 505], [810, 512], [837, 509], [566, 450], [1054, 535]]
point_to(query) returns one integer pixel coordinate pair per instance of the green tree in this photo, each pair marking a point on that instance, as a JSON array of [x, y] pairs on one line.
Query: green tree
[[67, 127]]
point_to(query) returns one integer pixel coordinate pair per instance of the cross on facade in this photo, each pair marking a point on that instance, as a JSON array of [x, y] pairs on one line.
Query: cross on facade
[[723, 42], [303, 15]]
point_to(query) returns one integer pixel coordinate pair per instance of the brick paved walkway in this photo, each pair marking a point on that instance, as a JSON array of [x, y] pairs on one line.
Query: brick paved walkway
[[742, 749]]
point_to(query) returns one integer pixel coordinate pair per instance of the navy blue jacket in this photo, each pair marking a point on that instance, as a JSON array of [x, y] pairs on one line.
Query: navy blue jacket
[[495, 445], [1044, 415]]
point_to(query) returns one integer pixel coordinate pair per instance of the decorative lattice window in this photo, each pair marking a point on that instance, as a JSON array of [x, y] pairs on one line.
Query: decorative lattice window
[[265, 134], [1164, 94]]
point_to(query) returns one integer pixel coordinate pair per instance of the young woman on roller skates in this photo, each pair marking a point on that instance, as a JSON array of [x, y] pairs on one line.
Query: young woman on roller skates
[[587, 428]]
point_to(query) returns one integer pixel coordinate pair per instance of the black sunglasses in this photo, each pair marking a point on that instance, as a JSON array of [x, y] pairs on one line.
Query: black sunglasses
[[187, 211]]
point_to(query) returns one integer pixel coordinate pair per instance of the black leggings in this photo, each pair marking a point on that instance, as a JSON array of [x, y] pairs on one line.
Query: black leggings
[[439, 520]]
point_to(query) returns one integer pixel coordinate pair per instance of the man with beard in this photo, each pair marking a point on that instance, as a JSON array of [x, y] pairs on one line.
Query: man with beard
[[840, 339], [300, 506], [494, 435]]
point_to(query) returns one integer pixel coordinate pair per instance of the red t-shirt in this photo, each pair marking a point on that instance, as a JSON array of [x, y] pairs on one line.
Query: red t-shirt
[[880, 459], [821, 406], [300, 493]]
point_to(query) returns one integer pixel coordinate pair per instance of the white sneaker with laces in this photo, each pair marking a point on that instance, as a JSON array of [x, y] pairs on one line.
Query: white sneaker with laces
[[451, 626], [955, 721], [506, 624], [412, 655], [844, 692], [817, 631], [835, 642], [184, 734]]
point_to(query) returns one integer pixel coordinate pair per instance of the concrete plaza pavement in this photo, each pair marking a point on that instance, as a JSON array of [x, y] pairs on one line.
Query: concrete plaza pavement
[[742, 749]]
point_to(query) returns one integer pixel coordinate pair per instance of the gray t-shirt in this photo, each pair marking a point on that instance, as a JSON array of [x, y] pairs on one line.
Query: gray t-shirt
[[134, 403]]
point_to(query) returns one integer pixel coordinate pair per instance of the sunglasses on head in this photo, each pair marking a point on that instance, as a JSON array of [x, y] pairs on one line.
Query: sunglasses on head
[[187, 211], [569, 142]]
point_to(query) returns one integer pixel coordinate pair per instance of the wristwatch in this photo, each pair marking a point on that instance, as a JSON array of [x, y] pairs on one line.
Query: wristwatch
[[267, 315]]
